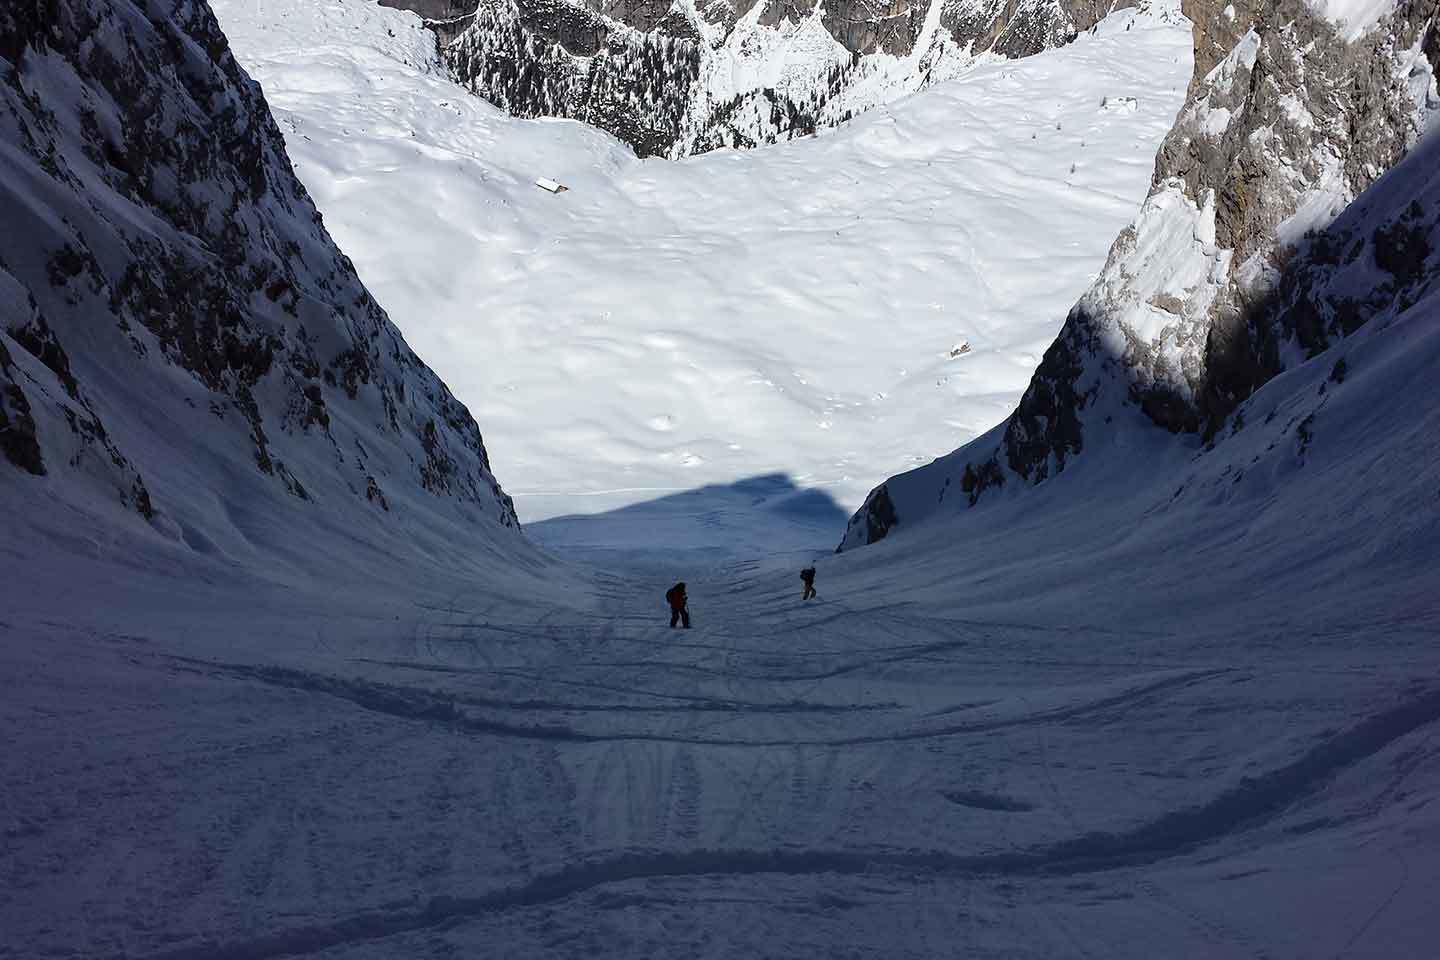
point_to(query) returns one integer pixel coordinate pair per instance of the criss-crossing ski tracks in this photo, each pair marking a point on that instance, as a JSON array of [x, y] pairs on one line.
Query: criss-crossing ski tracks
[[587, 780]]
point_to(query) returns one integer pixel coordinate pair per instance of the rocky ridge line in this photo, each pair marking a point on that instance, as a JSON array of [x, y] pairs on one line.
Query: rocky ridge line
[[1221, 282], [171, 302], [641, 69]]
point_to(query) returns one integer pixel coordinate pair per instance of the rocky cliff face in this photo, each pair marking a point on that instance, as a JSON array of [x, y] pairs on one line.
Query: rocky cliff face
[[1212, 292], [552, 58], [674, 78], [1020, 28], [179, 336]]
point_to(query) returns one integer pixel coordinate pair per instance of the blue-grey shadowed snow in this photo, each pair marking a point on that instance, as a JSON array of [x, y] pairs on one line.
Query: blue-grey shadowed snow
[[769, 515]]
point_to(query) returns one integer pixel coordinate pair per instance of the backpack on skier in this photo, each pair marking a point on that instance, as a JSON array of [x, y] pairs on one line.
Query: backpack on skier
[[679, 612]]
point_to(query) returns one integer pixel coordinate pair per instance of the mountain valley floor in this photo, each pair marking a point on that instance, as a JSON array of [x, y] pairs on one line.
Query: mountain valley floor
[[926, 761]]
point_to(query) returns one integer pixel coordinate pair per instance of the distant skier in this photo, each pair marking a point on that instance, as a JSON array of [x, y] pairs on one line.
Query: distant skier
[[679, 612], [807, 577]]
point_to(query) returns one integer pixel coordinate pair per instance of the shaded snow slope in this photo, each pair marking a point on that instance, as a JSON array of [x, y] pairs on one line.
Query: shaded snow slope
[[664, 326], [189, 367], [1171, 702], [1189, 316], [1082, 724], [1320, 491]]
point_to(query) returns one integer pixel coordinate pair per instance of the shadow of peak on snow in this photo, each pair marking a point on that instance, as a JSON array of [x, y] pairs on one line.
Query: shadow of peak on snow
[[768, 515]]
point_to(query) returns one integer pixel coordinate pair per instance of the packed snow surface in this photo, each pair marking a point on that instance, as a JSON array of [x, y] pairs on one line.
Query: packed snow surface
[[1078, 725], [665, 326], [1171, 703]]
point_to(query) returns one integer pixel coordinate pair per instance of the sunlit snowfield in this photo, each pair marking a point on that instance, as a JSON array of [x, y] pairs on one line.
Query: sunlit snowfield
[[662, 326]]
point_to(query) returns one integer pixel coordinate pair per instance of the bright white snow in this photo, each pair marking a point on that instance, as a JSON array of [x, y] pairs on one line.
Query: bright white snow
[[664, 326], [1354, 17]]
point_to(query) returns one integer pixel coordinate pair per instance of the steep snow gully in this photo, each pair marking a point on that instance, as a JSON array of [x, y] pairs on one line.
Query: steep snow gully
[[1181, 699], [483, 775]]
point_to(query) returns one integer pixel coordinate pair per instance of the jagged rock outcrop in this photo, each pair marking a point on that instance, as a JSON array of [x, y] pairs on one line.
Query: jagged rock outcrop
[[1021, 28], [557, 59], [675, 79], [174, 316], [1210, 293]]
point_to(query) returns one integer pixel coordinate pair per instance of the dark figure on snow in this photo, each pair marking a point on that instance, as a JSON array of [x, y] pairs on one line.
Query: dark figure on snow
[[807, 577], [679, 613]]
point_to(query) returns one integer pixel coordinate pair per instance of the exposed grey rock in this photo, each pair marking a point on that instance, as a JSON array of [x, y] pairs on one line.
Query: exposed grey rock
[[446, 18], [1217, 34], [1021, 28], [1328, 290], [17, 424], [520, 55], [434, 9], [1258, 167], [880, 516], [158, 249], [631, 66], [863, 26], [1283, 117]]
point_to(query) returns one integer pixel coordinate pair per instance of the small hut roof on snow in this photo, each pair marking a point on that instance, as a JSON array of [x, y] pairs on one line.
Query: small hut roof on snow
[[554, 186]]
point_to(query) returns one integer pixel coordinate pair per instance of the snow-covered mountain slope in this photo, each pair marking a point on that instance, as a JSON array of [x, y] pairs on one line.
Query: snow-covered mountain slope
[[1169, 703], [1209, 294], [1098, 720], [682, 78], [188, 364], [1328, 467], [664, 326]]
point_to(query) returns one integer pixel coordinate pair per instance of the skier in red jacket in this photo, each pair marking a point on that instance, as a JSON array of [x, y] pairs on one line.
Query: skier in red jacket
[[679, 613]]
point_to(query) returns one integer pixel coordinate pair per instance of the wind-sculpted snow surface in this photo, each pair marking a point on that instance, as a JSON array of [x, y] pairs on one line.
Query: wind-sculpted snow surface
[[179, 335], [885, 287], [1200, 302]]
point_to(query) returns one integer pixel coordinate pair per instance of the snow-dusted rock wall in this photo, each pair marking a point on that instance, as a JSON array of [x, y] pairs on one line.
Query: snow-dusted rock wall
[[557, 59], [1210, 293], [680, 78], [179, 336], [1020, 28]]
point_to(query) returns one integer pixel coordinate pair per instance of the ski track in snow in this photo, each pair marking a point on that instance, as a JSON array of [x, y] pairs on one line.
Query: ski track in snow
[[1066, 734], [1169, 835], [405, 797]]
